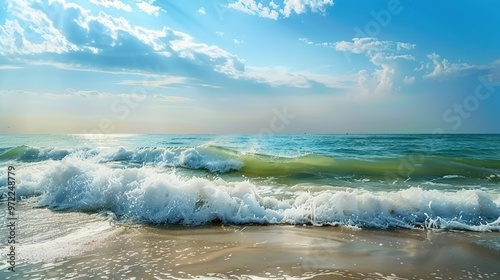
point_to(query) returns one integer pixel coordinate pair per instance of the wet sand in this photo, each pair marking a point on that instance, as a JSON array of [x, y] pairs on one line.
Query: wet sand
[[256, 252]]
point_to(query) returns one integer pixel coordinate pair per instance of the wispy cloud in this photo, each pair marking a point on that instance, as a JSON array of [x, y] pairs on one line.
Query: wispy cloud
[[116, 4], [165, 82], [305, 40], [280, 76], [409, 80], [172, 98], [370, 46], [10, 67]]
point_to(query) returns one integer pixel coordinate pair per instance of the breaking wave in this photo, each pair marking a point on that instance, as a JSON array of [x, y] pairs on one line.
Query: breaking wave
[[144, 194]]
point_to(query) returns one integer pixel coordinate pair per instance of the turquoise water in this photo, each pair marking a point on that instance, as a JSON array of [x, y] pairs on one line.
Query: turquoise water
[[374, 181]]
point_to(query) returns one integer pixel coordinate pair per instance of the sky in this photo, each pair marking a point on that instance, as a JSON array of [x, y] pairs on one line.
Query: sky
[[249, 66]]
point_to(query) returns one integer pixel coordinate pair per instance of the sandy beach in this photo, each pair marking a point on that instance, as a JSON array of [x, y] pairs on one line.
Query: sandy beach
[[100, 248]]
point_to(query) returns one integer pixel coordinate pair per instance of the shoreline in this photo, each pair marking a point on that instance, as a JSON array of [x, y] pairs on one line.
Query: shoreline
[[271, 251]]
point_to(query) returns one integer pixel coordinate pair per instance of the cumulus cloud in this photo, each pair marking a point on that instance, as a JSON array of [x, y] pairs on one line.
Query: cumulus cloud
[[149, 8], [69, 34], [407, 46], [273, 5], [389, 59], [367, 45], [301, 6], [31, 22], [442, 67], [252, 8], [386, 56], [273, 11], [382, 54]]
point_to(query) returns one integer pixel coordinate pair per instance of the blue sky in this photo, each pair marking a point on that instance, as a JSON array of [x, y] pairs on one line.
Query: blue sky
[[249, 66]]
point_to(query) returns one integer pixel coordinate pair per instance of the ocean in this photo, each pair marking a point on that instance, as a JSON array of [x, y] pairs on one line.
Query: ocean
[[78, 194]]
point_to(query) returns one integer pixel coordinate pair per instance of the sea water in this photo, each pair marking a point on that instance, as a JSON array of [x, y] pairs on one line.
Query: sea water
[[356, 181]]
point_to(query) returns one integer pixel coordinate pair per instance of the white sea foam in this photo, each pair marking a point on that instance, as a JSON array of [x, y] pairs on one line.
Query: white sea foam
[[146, 195], [208, 158], [193, 158], [37, 154], [75, 242]]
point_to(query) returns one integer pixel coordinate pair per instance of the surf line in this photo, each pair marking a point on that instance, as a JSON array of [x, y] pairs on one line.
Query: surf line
[[11, 218]]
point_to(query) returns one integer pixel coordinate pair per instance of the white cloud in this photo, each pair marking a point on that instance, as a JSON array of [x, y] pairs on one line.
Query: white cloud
[[409, 80], [385, 78], [84, 68], [117, 4], [202, 11], [149, 8], [224, 62], [382, 54], [300, 6], [172, 98], [272, 10], [219, 33], [366, 80], [165, 82], [34, 22], [252, 8], [305, 40], [368, 45], [442, 67], [407, 46], [494, 76], [277, 76], [237, 42], [102, 40], [282, 76], [420, 68], [115, 26], [380, 58], [9, 67]]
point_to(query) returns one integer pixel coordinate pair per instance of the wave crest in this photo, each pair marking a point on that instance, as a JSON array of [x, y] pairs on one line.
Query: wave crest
[[145, 195]]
